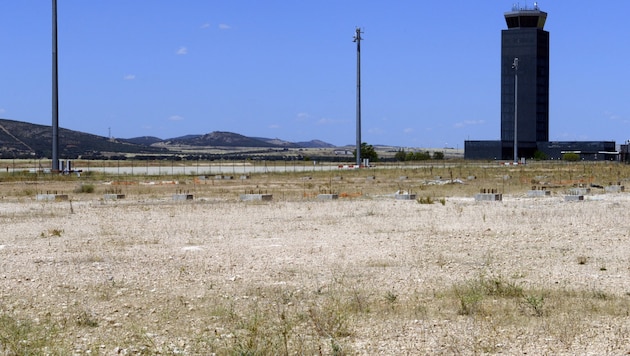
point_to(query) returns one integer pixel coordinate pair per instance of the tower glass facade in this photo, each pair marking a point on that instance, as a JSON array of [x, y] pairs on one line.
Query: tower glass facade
[[526, 40]]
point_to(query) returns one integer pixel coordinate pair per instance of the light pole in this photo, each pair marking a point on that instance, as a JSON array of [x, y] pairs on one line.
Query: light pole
[[515, 66], [357, 39], [55, 96]]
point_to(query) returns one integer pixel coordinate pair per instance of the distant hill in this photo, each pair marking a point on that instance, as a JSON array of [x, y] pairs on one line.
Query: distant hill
[[218, 139], [303, 144], [21, 139], [230, 139], [276, 142], [315, 144], [143, 140]]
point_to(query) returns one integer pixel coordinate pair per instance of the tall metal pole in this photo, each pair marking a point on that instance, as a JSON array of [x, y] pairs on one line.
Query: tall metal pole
[[357, 39], [55, 96], [515, 66]]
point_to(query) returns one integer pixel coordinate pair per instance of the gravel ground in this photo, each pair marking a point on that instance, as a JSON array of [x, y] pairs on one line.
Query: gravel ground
[[138, 275]]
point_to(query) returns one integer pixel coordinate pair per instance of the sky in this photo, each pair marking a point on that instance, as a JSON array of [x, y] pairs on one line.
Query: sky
[[430, 70]]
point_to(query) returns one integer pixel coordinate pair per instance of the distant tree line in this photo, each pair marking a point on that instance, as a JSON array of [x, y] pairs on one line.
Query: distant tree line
[[367, 152], [402, 156]]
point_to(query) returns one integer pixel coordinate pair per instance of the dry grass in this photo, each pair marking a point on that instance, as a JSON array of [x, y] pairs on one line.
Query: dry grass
[[362, 275]]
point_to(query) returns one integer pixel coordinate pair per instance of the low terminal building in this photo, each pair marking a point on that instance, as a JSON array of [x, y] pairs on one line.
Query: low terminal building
[[587, 150]]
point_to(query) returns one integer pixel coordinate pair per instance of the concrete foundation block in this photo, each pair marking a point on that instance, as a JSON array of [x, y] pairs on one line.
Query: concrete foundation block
[[573, 197], [113, 196], [538, 193], [52, 197], [45, 197], [488, 197], [614, 189], [327, 196], [405, 196], [250, 197], [579, 191], [180, 197]]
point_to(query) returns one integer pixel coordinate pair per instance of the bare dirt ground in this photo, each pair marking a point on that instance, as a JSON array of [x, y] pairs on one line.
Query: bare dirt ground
[[366, 275]]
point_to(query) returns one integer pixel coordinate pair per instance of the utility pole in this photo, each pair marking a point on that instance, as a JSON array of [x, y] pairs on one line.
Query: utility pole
[[55, 96], [515, 66], [357, 39]]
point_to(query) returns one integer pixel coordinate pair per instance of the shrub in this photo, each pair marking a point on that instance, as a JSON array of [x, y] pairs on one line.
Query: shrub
[[540, 156], [536, 303], [571, 157], [85, 188], [472, 293]]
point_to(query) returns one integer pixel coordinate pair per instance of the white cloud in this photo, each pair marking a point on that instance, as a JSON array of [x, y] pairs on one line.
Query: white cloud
[[182, 51], [129, 77], [301, 116], [223, 26], [325, 121], [469, 123], [274, 126], [2, 111], [205, 25], [176, 118], [408, 130], [615, 117]]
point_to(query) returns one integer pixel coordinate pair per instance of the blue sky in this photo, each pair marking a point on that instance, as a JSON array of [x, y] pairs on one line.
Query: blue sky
[[287, 69]]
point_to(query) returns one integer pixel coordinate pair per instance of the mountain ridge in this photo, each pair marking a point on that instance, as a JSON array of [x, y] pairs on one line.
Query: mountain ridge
[[19, 139]]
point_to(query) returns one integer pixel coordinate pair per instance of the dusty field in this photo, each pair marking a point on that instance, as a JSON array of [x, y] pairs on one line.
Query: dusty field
[[365, 275]]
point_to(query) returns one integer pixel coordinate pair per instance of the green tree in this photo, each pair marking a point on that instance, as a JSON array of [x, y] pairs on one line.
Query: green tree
[[422, 156], [401, 155], [367, 151], [438, 155]]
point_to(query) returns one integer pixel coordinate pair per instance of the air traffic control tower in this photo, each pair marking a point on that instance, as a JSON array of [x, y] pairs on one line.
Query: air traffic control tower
[[525, 39], [525, 98]]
